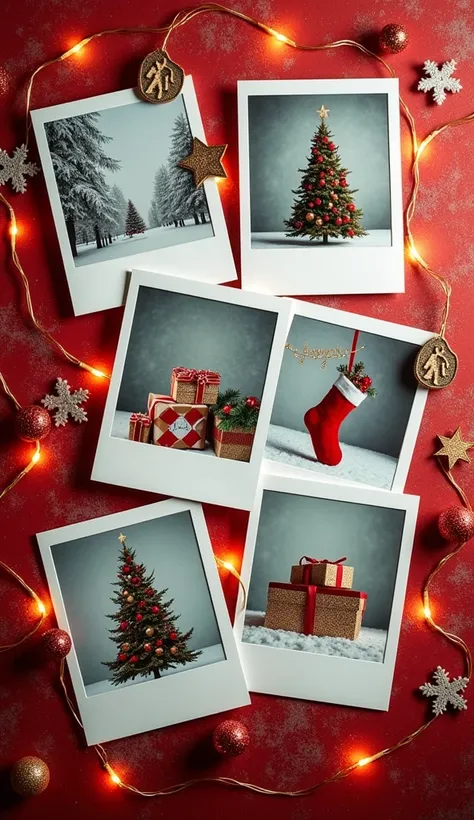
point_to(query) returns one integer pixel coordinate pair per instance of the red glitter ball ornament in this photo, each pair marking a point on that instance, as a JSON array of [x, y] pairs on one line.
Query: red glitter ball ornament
[[135, 580], [227, 409], [311, 204], [326, 218], [338, 221], [318, 201], [134, 659], [149, 591], [320, 158], [124, 626], [230, 738], [122, 657], [331, 146], [57, 643], [126, 570], [155, 610], [456, 524], [32, 423], [147, 647], [252, 401], [159, 642], [393, 38], [314, 151], [325, 140], [298, 225], [173, 636], [139, 617], [351, 207], [322, 183], [142, 605], [351, 232]]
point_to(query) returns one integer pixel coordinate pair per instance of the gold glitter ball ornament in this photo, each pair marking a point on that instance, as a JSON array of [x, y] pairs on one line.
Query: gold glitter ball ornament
[[149, 632], [319, 222], [159, 651], [29, 776], [393, 38], [125, 593], [204, 161], [130, 599], [309, 217]]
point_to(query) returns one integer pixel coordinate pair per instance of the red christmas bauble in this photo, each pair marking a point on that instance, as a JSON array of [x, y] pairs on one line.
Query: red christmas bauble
[[309, 186], [141, 604], [346, 219], [135, 580], [318, 201], [326, 217], [338, 221], [252, 401], [335, 210], [158, 642], [314, 150], [331, 172], [230, 738], [310, 204], [137, 567], [149, 591], [147, 647], [456, 524], [129, 559], [124, 626], [227, 409], [155, 609], [57, 643], [393, 38], [322, 174], [343, 183], [122, 657], [126, 570], [322, 183], [134, 659], [325, 140], [320, 158], [298, 225], [350, 233], [138, 617], [32, 423], [351, 207], [331, 146], [173, 636]]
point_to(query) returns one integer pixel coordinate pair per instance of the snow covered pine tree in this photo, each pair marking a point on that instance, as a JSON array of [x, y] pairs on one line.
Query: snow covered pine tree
[[325, 205], [133, 223], [79, 160], [147, 637], [186, 200]]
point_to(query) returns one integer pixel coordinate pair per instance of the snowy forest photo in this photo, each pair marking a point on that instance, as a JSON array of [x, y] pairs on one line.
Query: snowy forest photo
[[120, 186]]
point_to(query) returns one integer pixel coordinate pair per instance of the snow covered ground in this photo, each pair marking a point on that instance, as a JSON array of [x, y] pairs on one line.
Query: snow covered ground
[[294, 449], [120, 430], [210, 654], [279, 239], [369, 646], [151, 240]]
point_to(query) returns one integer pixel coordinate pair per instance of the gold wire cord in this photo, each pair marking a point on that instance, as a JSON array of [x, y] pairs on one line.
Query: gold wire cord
[[9, 393], [228, 566], [34, 460], [41, 609]]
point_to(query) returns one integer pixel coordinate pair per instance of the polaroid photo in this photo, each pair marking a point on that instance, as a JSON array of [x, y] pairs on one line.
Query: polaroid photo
[[320, 186], [119, 199], [348, 407], [140, 595], [192, 390], [326, 570]]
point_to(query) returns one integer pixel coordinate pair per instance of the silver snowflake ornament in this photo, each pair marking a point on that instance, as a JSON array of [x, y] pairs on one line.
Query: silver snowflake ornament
[[66, 403], [439, 80], [16, 168], [445, 692]]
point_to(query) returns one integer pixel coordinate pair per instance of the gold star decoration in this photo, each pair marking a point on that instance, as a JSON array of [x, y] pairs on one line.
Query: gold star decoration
[[122, 538], [454, 448], [204, 161], [323, 112]]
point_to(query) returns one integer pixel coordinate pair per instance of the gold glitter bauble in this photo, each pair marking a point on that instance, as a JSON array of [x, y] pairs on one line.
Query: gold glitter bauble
[[330, 205], [309, 217], [319, 222], [29, 776], [149, 632], [393, 38], [125, 647], [130, 599], [159, 651], [125, 593]]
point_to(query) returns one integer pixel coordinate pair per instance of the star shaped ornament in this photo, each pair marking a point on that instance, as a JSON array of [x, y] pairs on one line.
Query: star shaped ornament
[[205, 161], [122, 538], [323, 112], [454, 448]]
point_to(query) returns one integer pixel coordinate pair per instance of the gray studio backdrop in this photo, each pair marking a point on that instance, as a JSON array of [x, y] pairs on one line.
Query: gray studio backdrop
[[176, 330], [280, 133], [87, 568], [377, 424], [294, 525]]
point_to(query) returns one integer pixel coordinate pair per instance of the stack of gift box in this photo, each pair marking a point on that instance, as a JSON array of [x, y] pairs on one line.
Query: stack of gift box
[[194, 412], [319, 600]]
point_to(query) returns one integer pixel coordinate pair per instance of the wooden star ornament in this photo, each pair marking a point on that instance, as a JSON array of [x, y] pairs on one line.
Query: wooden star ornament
[[454, 448], [205, 161]]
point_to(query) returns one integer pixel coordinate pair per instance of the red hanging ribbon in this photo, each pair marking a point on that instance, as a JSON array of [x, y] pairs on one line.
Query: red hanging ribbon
[[309, 610], [353, 349]]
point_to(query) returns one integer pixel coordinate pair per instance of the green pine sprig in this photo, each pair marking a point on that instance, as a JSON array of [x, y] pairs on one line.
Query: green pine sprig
[[241, 415]]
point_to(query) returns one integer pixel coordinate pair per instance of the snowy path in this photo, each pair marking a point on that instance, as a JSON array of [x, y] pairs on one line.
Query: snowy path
[[210, 654], [278, 239], [151, 240], [369, 646], [293, 448]]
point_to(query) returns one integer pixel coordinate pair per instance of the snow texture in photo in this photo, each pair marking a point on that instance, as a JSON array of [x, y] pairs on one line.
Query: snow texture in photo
[[119, 183], [372, 434], [291, 526], [281, 130], [88, 570]]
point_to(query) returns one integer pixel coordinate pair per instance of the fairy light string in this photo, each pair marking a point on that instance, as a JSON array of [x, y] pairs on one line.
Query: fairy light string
[[36, 455]]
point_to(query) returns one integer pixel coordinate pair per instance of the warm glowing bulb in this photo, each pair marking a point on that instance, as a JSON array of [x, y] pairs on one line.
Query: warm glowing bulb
[[228, 565], [76, 48], [41, 608], [115, 778], [364, 760], [278, 36], [427, 612], [97, 373], [414, 254], [13, 230], [36, 457]]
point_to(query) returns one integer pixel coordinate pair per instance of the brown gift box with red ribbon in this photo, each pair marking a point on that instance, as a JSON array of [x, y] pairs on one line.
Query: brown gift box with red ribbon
[[311, 610], [189, 386], [139, 428], [235, 444], [322, 572], [175, 425]]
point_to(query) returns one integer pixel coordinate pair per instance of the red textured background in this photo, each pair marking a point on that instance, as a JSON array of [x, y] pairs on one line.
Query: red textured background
[[293, 742]]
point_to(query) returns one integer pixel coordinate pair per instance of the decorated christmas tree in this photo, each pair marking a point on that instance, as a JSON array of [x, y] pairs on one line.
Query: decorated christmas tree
[[325, 205], [133, 222], [146, 634]]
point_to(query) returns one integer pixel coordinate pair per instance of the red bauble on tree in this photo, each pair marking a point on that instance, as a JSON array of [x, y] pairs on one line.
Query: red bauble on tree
[[139, 617], [135, 580], [155, 609], [456, 524], [122, 657], [230, 738], [32, 423], [126, 569], [173, 636], [124, 625], [134, 659], [142, 605], [317, 201], [227, 409]]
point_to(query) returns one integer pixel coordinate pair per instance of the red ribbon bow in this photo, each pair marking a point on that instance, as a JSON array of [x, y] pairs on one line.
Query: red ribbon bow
[[310, 563], [320, 560], [201, 377]]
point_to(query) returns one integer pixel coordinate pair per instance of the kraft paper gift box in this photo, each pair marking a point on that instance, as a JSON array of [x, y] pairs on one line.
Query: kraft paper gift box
[[322, 572], [177, 425], [313, 610], [189, 386], [235, 444], [139, 427]]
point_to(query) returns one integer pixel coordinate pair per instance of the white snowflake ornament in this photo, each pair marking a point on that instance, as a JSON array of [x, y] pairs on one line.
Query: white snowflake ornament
[[16, 168], [66, 403], [439, 80], [445, 692]]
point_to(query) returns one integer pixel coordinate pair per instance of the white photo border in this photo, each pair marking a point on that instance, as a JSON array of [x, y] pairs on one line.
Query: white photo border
[[292, 271], [344, 681], [172, 472], [192, 693], [379, 327], [102, 285]]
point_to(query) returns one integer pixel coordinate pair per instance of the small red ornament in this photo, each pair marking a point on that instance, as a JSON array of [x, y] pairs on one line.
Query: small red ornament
[[155, 609], [124, 626], [314, 151], [57, 643], [32, 423], [252, 401], [322, 183], [147, 647], [338, 221], [142, 605], [393, 38], [230, 738], [318, 201], [322, 174], [331, 146], [326, 217], [138, 617], [159, 642], [346, 219], [227, 409], [331, 172], [122, 657], [137, 567], [135, 580], [343, 182], [298, 225], [126, 570], [320, 158], [129, 559], [351, 207], [335, 210], [134, 659], [350, 233], [456, 524], [310, 204], [325, 140], [173, 636], [149, 591], [309, 186]]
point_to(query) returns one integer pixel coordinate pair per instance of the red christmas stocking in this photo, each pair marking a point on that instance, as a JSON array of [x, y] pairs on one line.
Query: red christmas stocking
[[324, 420]]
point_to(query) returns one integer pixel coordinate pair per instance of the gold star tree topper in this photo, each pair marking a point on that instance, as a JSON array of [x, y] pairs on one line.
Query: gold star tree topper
[[122, 538], [454, 448], [323, 112], [204, 161]]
